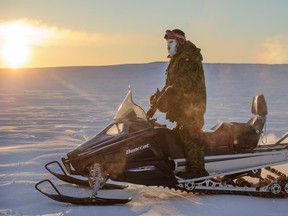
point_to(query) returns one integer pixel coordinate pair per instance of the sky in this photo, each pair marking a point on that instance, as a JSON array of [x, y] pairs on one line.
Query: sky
[[49, 33]]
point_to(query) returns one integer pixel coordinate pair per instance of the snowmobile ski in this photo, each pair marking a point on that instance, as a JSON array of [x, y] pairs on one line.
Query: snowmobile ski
[[72, 180], [79, 201]]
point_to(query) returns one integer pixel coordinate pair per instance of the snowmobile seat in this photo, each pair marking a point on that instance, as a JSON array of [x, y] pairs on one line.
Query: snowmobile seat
[[259, 109], [233, 137], [218, 139], [247, 135]]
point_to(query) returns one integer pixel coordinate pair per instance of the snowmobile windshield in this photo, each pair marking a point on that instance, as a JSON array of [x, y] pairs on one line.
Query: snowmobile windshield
[[129, 110]]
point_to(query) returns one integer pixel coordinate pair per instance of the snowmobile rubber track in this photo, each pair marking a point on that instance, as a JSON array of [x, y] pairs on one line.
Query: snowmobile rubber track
[[254, 194], [72, 180], [80, 201], [275, 187], [230, 192], [245, 193]]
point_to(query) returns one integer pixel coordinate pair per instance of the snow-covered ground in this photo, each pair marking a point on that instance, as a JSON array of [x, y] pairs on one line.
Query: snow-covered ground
[[47, 112]]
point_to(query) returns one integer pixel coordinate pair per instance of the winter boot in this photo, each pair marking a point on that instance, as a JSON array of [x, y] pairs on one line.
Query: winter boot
[[196, 173]]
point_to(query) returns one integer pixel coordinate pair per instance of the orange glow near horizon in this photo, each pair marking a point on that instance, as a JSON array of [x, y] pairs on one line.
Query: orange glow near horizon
[[33, 43]]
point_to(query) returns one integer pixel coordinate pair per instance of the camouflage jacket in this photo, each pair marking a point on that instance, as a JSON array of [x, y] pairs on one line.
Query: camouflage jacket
[[186, 75]]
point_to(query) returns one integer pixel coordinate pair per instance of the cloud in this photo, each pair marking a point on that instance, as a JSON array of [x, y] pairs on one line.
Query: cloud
[[274, 50], [27, 32], [37, 33], [69, 37]]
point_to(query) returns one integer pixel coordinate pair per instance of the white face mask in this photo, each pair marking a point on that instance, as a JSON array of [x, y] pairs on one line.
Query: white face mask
[[172, 46]]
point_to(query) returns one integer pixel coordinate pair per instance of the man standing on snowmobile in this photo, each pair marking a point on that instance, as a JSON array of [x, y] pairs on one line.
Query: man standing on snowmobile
[[183, 99]]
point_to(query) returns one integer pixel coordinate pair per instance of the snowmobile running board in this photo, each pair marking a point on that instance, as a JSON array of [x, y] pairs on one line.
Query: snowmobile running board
[[80, 201]]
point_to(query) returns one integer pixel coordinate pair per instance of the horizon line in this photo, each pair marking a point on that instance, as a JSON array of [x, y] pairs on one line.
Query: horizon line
[[123, 64]]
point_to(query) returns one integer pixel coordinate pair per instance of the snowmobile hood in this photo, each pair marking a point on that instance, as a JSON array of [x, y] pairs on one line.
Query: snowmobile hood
[[130, 122]]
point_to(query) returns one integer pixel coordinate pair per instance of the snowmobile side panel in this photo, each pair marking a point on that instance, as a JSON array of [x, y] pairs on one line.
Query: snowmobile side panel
[[237, 163], [151, 174]]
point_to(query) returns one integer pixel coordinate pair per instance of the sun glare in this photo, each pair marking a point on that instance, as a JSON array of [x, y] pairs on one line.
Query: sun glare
[[15, 50], [15, 54]]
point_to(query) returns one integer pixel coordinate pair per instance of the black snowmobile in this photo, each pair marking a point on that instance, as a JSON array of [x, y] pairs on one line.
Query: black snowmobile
[[136, 149]]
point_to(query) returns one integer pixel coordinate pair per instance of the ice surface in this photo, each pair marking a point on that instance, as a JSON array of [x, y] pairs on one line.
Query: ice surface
[[46, 112]]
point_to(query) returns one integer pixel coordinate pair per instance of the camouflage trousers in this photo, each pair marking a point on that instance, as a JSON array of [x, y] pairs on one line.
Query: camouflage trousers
[[194, 144]]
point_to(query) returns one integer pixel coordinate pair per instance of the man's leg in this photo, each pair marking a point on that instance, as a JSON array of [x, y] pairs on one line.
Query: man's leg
[[194, 151], [192, 137]]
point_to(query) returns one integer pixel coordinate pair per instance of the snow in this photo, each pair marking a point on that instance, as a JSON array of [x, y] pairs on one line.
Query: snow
[[46, 112]]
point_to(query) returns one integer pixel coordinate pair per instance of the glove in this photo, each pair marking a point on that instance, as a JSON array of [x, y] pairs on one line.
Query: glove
[[153, 105], [165, 98], [154, 97]]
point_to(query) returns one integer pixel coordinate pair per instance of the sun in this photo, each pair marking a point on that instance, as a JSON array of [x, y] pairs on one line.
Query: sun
[[15, 54], [15, 48]]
